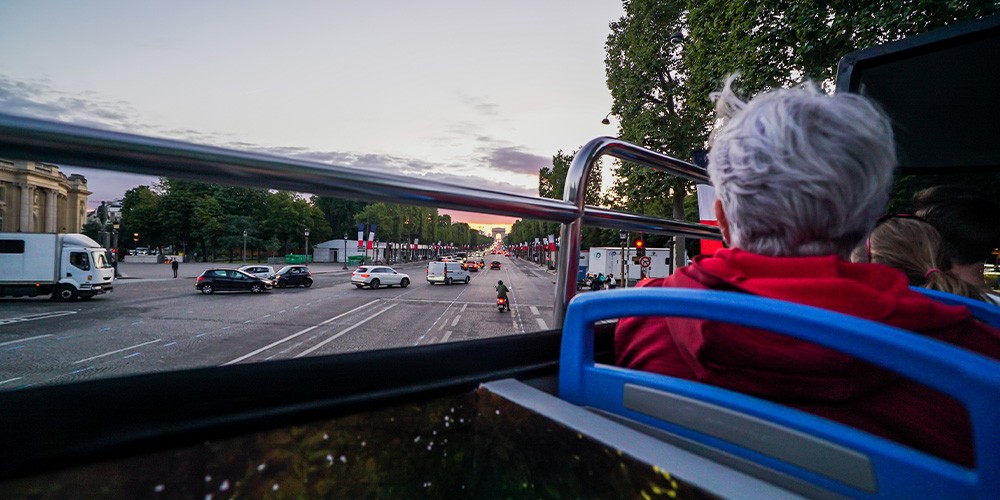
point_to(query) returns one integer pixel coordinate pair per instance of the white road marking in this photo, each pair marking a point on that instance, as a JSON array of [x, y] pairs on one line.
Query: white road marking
[[292, 336], [463, 307], [446, 335], [541, 323], [335, 337], [25, 340], [117, 351], [455, 322], [10, 380], [34, 317], [534, 310], [133, 354], [170, 344]]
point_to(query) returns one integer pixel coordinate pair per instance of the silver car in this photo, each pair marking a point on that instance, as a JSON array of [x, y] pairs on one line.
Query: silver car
[[259, 271]]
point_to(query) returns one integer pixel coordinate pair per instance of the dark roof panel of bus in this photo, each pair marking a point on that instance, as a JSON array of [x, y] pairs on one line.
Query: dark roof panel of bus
[[940, 89]]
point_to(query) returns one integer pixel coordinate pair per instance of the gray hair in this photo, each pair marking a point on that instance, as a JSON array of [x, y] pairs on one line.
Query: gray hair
[[800, 172]]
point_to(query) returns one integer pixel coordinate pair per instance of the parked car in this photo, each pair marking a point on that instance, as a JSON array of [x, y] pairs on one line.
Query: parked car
[[258, 271], [293, 276], [230, 280], [376, 276], [495, 265]]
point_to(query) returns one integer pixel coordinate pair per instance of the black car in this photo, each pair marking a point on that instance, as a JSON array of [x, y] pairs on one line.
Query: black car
[[293, 276], [495, 264], [223, 280]]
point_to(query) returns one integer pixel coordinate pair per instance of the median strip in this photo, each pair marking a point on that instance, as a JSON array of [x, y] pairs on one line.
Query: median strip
[[335, 337], [292, 336]]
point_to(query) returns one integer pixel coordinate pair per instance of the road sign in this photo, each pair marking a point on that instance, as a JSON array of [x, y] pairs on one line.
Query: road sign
[[644, 261]]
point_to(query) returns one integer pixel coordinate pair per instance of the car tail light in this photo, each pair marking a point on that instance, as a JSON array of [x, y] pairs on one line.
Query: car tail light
[[365, 275], [200, 278]]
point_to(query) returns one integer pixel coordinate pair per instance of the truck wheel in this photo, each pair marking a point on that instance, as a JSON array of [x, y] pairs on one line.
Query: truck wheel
[[66, 293]]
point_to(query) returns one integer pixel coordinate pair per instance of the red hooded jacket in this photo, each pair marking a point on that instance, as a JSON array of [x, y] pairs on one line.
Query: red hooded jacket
[[803, 375]]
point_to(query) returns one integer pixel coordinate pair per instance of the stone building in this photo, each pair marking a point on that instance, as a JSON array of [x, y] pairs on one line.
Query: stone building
[[37, 198]]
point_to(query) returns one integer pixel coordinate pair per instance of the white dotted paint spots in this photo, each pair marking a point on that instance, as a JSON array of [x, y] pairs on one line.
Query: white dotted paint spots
[[417, 439], [498, 412], [261, 467], [159, 488], [363, 443], [343, 459], [208, 496], [275, 487], [326, 436], [224, 486], [329, 459], [208, 479]]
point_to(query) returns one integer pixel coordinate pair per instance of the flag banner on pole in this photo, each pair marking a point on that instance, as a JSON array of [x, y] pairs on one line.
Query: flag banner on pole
[[371, 236], [552, 243], [416, 243], [706, 214], [361, 235]]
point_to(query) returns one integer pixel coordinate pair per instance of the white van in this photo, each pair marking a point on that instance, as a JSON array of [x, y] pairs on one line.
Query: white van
[[447, 273]]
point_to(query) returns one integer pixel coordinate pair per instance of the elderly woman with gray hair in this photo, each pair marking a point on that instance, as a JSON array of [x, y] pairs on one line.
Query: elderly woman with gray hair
[[800, 179]]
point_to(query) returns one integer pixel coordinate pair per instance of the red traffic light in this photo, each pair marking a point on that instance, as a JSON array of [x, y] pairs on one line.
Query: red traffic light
[[639, 243]]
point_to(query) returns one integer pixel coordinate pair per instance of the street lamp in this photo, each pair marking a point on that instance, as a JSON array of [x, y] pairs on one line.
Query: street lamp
[[244, 246], [345, 251], [307, 246]]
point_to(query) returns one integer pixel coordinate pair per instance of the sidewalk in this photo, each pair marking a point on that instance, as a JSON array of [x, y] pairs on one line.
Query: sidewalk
[[191, 270]]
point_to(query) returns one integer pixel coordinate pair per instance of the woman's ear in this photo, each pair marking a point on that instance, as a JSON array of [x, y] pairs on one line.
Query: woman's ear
[[720, 215]]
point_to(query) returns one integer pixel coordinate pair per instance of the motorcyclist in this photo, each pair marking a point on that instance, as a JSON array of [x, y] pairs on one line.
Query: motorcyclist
[[502, 293]]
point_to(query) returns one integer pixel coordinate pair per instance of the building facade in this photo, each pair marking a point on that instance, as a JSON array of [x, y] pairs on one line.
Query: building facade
[[37, 198]]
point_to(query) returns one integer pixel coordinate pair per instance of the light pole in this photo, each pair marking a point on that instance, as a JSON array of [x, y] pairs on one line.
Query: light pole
[[345, 251], [623, 237], [307, 246], [244, 246]]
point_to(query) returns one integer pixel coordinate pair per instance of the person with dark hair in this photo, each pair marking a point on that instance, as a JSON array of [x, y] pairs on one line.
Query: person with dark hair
[[967, 220], [800, 179], [914, 246]]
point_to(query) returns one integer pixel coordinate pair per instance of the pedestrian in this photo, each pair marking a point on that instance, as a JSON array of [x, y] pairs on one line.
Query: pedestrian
[[612, 284], [174, 265]]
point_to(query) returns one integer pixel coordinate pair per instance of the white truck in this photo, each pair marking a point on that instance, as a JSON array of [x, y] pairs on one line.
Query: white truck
[[65, 266], [608, 261]]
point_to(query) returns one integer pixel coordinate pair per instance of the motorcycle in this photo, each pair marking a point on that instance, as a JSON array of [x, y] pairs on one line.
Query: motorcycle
[[501, 304]]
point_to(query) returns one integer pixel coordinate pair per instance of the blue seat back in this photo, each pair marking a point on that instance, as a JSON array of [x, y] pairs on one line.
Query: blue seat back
[[987, 313], [806, 448]]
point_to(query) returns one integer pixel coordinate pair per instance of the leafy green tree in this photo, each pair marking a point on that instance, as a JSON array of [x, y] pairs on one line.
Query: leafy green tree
[[207, 224], [340, 213], [647, 79], [141, 209]]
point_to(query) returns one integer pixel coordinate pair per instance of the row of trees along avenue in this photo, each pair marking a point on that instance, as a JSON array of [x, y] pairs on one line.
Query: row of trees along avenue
[[208, 220]]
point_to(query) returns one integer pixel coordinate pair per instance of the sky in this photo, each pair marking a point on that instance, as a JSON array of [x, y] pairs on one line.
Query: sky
[[459, 91]]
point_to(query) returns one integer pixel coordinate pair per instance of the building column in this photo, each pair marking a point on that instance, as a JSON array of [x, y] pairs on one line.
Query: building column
[[26, 209], [51, 211]]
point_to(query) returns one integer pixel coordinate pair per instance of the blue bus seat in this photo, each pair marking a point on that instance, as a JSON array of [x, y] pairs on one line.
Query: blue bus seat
[[987, 313], [778, 440]]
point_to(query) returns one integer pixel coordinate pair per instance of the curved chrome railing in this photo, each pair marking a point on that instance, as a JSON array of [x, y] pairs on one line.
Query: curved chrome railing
[[48, 141]]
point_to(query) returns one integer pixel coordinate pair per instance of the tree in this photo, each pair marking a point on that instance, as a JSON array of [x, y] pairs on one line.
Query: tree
[[647, 79]]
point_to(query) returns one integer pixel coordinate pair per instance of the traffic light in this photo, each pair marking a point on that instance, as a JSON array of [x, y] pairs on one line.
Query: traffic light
[[640, 248]]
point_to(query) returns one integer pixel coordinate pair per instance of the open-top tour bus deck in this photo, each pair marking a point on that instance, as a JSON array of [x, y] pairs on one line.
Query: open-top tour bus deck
[[539, 414]]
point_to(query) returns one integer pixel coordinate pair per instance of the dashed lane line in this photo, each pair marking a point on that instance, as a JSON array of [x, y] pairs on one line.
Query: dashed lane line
[[455, 321], [335, 337], [25, 340], [116, 351], [292, 336], [446, 335], [541, 323], [534, 310], [35, 317]]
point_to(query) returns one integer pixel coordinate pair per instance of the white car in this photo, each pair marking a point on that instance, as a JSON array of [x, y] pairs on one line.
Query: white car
[[376, 276], [259, 271]]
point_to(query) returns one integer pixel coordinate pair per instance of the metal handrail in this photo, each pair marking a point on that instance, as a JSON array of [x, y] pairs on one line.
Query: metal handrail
[[575, 191], [56, 142]]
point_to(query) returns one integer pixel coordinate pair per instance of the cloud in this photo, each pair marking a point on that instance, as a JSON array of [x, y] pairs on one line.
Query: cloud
[[498, 158]]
